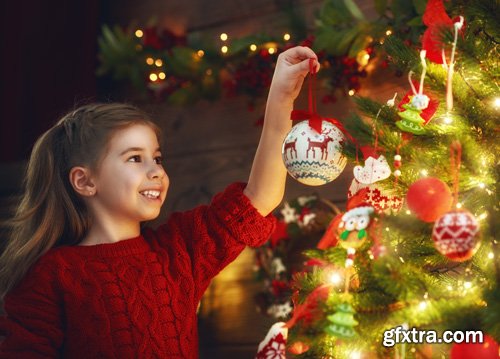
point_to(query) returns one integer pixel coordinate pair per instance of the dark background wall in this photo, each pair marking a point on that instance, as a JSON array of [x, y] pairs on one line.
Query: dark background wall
[[48, 62]]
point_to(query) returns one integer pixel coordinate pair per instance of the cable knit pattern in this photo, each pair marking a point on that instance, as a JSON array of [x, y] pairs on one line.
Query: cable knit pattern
[[133, 299]]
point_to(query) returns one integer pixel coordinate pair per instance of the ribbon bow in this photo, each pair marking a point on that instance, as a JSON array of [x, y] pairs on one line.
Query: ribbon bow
[[315, 120]]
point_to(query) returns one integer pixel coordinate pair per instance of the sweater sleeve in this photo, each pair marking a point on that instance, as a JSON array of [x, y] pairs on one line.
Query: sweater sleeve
[[215, 235], [32, 322]]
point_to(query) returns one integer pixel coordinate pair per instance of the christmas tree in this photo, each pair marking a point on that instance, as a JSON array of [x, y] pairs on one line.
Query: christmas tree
[[432, 263]]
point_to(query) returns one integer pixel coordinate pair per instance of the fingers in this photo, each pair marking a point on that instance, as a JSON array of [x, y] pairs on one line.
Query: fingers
[[300, 56], [305, 66]]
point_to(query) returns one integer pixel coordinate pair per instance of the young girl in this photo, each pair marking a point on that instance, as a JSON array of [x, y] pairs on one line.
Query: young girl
[[80, 280]]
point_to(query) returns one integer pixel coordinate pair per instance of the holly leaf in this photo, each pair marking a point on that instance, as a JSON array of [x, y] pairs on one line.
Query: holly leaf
[[354, 9], [361, 41], [416, 21], [419, 6], [334, 13], [335, 41]]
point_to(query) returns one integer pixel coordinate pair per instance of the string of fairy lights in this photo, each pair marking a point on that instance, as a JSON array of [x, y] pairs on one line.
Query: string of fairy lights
[[158, 73]]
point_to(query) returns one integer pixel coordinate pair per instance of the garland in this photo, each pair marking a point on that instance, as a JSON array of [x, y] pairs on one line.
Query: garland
[[182, 69]]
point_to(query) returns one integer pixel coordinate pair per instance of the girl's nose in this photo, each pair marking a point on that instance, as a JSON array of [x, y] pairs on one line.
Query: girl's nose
[[156, 171]]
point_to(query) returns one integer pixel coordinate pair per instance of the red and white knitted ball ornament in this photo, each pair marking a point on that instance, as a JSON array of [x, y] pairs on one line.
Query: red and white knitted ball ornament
[[454, 235]]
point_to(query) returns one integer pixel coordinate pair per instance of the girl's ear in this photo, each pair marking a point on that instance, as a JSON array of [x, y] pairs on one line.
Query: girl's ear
[[81, 181]]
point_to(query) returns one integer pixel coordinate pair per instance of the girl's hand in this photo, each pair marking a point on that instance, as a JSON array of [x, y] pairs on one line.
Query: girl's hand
[[291, 69]]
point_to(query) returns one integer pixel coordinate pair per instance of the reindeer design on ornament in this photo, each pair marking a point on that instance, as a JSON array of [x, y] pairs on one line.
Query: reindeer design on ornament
[[292, 147], [322, 145]]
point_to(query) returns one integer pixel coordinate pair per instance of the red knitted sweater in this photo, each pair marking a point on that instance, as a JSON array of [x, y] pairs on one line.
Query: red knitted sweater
[[133, 299]]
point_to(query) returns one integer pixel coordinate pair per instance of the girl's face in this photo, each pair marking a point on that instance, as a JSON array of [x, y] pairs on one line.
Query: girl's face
[[131, 184]]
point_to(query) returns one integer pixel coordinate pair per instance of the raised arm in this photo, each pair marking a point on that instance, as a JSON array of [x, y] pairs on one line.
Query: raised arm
[[266, 184]]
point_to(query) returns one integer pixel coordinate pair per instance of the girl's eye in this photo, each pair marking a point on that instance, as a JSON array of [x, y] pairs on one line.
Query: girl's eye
[[158, 160], [135, 158]]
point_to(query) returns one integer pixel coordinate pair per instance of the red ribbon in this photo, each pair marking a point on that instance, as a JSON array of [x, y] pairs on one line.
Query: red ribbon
[[315, 120]]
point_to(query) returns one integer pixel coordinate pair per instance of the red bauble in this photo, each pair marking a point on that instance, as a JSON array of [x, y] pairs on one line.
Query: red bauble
[[486, 350], [429, 198], [454, 235]]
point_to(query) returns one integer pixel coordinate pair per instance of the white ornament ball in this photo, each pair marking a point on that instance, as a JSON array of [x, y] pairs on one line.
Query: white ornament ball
[[312, 158], [397, 157], [397, 173]]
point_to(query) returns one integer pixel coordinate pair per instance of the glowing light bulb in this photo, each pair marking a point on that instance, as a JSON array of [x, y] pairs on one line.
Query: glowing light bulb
[[200, 53], [355, 355], [459, 205], [153, 77], [150, 61], [158, 62], [286, 37], [335, 278], [223, 36], [351, 92], [467, 285], [422, 305], [496, 103], [253, 47], [224, 49], [271, 50], [424, 173], [491, 255], [447, 119], [388, 32], [139, 33], [162, 76]]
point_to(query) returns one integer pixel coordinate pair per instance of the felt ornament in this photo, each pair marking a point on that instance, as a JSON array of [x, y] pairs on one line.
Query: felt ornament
[[436, 19], [375, 169], [341, 323], [353, 227], [411, 110], [274, 344], [383, 200], [331, 236]]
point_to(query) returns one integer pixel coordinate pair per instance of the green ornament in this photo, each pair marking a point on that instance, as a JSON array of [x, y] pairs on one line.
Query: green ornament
[[342, 322], [411, 120]]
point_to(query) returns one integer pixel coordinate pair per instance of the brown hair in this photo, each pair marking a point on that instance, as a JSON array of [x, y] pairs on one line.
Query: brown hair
[[50, 212]]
